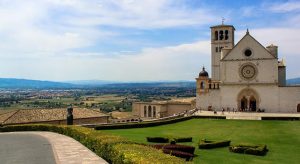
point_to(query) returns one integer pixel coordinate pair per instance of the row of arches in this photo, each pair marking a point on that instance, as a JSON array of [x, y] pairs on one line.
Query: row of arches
[[221, 35], [210, 85], [149, 111]]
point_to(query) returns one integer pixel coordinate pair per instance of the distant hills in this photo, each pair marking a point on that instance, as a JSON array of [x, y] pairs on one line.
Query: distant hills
[[35, 84], [38, 84], [294, 81]]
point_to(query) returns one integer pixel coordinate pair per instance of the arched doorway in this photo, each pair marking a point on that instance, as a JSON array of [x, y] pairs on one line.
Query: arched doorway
[[252, 104], [244, 103], [248, 100], [298, 108], [149, 111]]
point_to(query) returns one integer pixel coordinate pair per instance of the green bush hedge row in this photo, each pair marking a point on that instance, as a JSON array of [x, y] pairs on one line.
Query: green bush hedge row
[[206, 144], [113, 149], [169, 139], [151, 124], [141, 124], [249, 149], [158, 139]]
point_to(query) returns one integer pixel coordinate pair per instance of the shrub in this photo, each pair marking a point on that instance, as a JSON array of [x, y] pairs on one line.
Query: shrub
[[206, 144], [169, 139], [142, 124], [113, 149], [158, 139], [180, 154], [183, 148], [260, 150], [184, 139]]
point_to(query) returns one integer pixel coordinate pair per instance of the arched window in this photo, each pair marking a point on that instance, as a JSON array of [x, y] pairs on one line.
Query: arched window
[[298, 108], [216, 35], [209, 86], [149, 111], [221, 35], [202, 85], [145, 111], [154, 111], [226, 35]]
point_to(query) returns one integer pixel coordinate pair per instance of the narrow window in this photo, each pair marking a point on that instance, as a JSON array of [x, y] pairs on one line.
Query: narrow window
[[226, 35], [145, 111], [221, 33], [217, 49], [209, 86], [154, 112], [216, 35], [202, 85]]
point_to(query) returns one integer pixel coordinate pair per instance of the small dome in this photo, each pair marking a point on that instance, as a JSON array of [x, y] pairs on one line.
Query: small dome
[[203, 73]]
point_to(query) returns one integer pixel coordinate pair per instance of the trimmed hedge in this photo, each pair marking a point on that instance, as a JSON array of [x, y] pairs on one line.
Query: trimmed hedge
[[183, 148], [181, 154], [184, 139], [207, 144], [149, 124], [158, 139], [113, 149], [169, 139], [260, 150], [141, 124]]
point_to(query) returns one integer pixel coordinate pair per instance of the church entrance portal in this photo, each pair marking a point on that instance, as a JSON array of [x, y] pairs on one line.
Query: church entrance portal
[[244, 103], [252, 104], [248, 100]]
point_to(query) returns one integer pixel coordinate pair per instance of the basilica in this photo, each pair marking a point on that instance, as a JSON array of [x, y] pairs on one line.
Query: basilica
[[245, 76]]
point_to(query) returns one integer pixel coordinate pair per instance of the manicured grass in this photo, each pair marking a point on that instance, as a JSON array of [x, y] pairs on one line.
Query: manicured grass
[[281, 137]]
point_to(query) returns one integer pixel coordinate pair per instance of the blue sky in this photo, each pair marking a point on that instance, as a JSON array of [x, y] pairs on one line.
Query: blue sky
[[134, 40]]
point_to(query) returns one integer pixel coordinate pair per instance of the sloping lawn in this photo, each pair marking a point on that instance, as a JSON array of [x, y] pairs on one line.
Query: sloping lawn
[[281, 137]]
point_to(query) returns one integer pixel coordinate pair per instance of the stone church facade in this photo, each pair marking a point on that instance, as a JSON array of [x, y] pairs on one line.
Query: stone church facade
[[246, 76]]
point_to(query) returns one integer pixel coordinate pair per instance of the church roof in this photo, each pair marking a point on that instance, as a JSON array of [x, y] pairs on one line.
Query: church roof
[[223, 25], [255, 41], [41, 115]]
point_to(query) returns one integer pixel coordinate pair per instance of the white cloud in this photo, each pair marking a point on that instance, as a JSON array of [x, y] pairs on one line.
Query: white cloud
[[289, 6], [143, 14], [182, 62]]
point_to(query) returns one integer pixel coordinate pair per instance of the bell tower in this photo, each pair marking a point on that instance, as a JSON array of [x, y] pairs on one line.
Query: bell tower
[[222, 36]]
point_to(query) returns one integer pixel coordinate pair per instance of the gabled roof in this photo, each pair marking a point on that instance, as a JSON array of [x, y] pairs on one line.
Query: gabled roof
[[40, 115], [247, 35]]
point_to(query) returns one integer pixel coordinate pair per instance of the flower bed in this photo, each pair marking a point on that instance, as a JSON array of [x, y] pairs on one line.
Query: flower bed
[[260, 150]]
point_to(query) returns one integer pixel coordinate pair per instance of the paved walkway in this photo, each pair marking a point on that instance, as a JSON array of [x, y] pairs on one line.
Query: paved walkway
[[25, 149], [66, 150]]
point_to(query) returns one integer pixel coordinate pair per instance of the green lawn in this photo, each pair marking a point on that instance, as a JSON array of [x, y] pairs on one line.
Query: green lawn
[[281, 137]]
